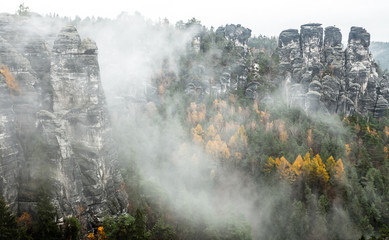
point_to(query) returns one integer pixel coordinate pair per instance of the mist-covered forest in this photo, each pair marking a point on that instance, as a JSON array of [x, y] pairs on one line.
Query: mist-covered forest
[[200, 161]]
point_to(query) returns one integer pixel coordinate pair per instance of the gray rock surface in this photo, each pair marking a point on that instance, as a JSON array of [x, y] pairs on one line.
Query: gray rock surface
[[235, 33], [346, 80], [56, 129]]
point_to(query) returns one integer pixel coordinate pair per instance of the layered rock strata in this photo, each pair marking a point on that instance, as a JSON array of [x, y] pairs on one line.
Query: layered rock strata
[[327, 76], [56, 129]]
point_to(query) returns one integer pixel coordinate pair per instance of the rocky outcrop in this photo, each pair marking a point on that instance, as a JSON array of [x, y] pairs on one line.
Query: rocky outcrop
[[56, 129], [235, 33], [331, 78], [198, 81]]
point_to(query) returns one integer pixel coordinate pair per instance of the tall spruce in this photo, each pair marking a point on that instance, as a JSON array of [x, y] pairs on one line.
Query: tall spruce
[[8, 225], [45, 226]]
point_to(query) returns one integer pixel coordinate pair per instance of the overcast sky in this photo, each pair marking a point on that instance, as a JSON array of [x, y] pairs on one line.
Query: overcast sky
[[263, 17]]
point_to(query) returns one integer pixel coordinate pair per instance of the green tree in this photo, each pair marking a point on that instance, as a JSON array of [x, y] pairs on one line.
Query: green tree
[[23, 10], [8, 225], [122, 229], [72, 228], [141, 232], [163, 231], [45, 226]]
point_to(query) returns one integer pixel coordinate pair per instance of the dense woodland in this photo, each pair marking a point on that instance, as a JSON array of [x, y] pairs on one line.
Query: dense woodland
[[232, 167]]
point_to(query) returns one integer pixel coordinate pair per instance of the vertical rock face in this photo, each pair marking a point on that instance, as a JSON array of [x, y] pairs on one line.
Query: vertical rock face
[[340, 81], [231, 77], [311, 36], [56, 128], [290, 50], [236, 33], [80, 109], [10, 149], [333, 50], [361, 77]]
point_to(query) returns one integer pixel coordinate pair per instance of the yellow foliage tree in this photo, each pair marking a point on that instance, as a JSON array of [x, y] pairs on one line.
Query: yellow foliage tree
[[255, 107], [197, 139], [218, 120], [330, 165], [285, 170], [219, 105], [316, 171], [348, 150], [195, 113], [309, 138], [217, 148], [339, 169], [307, 160], [13, 86], [211, 132], [386, 131], [283, 135], [264, 117], [239, 139], [198, 130], [238, 142], [298, 166], [198, 134], [271, 165], [269, 126]]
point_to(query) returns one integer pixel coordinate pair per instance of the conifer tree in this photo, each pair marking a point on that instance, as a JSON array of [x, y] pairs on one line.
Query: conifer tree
[[140, 226], [46, 228], [8, 225]]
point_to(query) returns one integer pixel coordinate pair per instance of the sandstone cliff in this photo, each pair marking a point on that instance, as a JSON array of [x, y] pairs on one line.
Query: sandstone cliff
[[320, 74], [55, 129]]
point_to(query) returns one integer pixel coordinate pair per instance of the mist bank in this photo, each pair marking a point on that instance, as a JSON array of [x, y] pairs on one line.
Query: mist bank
[[200, 128]]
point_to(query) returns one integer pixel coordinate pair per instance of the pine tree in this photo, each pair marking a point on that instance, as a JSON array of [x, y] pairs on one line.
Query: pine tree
[[72, 228], [163, 231], [8, 225], [140, 226], [46, 227]]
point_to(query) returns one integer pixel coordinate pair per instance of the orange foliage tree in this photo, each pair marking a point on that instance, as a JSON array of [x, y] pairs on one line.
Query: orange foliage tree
[[218, 121], [101, 234], [91, 236], [339, 170], [24, 221], [196, 113], [198, 135], [211, 132], [283, 135], [217, 148], [238, 142], [13, 86]]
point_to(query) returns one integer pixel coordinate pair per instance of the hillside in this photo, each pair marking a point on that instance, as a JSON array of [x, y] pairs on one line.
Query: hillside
[[131, 129]]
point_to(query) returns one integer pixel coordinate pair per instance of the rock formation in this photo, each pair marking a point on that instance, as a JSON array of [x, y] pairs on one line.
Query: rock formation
[[235, 33], [198, 81], [56, 129], [328, 77]]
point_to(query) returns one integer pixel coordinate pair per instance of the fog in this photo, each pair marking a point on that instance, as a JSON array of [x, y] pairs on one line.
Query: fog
[[132, 51], [151, 134], [263, 17]]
